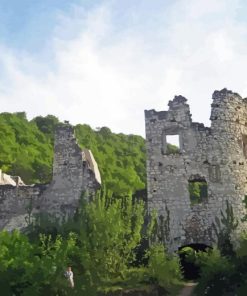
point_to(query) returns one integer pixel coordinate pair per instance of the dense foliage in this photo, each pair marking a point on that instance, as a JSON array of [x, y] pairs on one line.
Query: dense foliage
[[26, 149], [221, 274], [222, 269], [121, 158], [100, 244]]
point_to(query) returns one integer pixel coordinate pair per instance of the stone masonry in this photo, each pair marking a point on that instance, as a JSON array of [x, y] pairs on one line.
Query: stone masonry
[[215, 155], [74, 172]]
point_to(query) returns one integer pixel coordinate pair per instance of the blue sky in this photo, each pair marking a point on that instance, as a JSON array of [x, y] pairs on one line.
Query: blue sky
[[104, 62]]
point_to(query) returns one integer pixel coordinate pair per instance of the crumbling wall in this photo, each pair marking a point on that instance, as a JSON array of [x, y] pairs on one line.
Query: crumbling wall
[[17, 203], [71, 175], [74, 172], [215, 155]]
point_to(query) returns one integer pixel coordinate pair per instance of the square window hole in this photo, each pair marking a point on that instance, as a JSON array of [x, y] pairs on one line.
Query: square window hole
[[198, 190], [172, 144]]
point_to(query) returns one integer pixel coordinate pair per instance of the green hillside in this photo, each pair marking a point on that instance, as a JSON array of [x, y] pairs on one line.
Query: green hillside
[[121, 158], [26, 149]]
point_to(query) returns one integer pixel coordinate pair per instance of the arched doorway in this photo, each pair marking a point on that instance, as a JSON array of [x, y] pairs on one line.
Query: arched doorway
[[189, 269]]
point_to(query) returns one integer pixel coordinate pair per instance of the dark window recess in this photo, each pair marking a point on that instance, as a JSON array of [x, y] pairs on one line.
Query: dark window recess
[[245, 145], [198, 190]]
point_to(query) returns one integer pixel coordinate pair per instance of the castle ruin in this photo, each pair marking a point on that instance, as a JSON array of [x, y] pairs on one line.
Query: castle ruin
[[74, 171], [210, 161], [213, 159]]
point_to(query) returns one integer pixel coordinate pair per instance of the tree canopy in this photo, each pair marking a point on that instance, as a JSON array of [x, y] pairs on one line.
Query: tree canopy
[[26, 149]]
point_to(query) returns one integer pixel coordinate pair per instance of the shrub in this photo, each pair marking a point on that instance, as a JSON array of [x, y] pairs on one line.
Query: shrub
[[26, 267], [215, 273], [164, 269]]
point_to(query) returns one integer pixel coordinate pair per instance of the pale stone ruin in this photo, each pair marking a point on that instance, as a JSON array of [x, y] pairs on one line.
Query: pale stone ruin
[[215, 157], [74, 171]]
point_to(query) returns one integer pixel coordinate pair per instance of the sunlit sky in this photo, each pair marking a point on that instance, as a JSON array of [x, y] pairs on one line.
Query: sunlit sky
[[104, 62]]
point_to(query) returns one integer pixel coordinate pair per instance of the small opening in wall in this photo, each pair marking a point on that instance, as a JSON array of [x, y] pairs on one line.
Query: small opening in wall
[[190, 270], [172, 144], [198, 190], [244, 138]]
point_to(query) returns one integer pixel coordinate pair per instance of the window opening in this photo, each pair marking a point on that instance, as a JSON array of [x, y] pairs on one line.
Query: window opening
[[198, 190], [190, 269], [172, 143]]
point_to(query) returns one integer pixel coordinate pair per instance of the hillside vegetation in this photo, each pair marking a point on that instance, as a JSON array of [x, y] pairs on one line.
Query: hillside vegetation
[[26, 149]]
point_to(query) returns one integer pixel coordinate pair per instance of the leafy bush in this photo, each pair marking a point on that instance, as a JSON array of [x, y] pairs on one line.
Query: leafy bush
[[99, 243], [27, 267], [163, 268], [109, 231], [215, 272], [223, 275], [223, 270]]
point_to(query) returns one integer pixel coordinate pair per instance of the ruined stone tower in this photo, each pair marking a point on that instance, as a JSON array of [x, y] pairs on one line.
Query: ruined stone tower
[[74, 172], [213, 159]]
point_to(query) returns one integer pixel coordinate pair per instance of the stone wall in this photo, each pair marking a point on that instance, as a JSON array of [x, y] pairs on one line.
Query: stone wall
[[216, 155], [16, 203], [73, 174]]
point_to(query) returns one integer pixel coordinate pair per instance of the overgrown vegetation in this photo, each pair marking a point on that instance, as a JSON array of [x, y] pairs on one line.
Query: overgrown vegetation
[[104, 241], [100, 243], [222, 269], [198, 191], [24, 149]]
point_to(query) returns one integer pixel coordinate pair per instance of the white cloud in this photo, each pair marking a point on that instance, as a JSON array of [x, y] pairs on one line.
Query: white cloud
[[105, 77]]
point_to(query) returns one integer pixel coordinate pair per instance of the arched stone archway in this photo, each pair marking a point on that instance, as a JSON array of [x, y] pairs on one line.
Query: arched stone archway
[[189, 269]]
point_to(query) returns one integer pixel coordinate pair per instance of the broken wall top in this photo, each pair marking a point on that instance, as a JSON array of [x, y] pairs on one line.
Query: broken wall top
[[226, 106]]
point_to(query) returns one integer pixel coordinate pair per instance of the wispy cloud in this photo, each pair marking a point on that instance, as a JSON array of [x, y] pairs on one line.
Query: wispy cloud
[[106, 74]]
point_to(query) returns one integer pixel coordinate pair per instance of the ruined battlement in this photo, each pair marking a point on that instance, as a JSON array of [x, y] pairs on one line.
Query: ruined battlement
[[228, 106], [178, 111], [74, 171], [215, 156]]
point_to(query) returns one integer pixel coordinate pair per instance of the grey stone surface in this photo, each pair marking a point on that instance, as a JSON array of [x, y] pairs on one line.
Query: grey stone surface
[[216, 154], [73, 174]]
